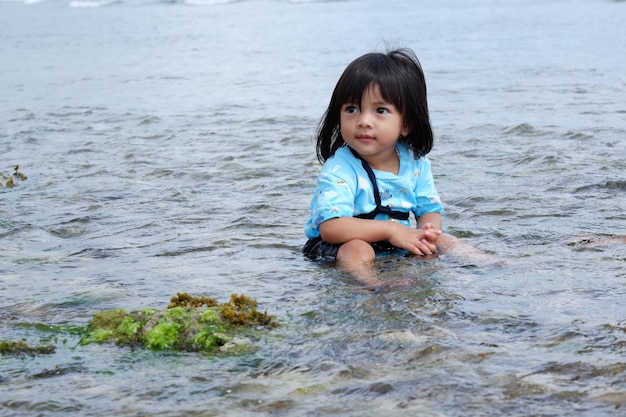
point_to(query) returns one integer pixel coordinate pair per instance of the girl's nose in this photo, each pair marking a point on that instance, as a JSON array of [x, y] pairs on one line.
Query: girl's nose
[[365, 120]]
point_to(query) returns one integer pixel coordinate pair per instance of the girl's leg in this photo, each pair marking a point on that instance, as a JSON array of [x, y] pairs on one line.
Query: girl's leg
[[460, 248], [356, 257], [446, 243], [356, 251]]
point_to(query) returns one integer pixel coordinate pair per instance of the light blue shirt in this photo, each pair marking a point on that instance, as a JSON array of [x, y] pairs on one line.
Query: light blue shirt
[[344, 189]]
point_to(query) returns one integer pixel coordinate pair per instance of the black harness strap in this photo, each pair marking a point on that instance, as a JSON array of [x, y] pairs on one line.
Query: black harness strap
[[380, 209]]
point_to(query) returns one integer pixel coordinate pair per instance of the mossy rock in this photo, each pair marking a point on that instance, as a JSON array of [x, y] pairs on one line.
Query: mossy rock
[[197, 324], [22, 348]]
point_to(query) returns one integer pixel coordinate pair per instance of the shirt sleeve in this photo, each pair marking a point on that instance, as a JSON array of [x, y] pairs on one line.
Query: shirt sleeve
[[426, 194], [334, 197], [335, 194]]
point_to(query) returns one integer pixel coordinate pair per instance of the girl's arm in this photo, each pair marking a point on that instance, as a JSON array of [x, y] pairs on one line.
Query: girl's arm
[[434, 219], [343, 229], [444, 242]]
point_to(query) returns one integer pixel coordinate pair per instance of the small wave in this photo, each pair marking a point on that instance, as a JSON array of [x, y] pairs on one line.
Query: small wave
[[147, 120], [94, 253], [186, 251], [23, 1], [524, 129], [578, 135], [208, 2], [93, 4], [311, 1], [607, 185]]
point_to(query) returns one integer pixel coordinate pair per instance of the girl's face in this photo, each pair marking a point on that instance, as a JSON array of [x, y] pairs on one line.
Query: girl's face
[[372, 129]]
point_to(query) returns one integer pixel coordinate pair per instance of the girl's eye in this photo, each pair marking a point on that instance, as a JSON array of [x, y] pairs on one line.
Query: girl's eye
[[351, 109], [382, 110]]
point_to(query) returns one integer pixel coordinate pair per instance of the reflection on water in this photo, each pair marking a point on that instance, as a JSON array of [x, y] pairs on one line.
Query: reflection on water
[[169, 148]]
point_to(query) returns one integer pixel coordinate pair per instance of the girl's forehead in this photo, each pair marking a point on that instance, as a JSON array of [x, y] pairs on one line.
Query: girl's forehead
[[371, 91]]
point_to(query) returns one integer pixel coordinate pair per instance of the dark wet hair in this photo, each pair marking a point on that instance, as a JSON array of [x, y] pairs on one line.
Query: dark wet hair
[[400, 78]]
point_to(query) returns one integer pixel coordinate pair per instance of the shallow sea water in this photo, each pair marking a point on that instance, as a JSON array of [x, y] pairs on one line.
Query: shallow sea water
[[169, 147]]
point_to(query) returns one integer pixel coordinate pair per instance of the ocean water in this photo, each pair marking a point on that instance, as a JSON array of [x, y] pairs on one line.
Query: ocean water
[[169, 148]]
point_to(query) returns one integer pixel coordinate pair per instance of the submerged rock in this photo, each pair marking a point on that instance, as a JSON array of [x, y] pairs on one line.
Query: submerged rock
[[197, 324], [22, 348]]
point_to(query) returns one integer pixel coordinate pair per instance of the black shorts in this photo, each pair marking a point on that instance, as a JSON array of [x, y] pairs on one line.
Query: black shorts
[[318, 250]]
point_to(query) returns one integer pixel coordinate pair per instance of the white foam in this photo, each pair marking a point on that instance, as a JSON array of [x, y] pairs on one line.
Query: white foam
[[92, 4]]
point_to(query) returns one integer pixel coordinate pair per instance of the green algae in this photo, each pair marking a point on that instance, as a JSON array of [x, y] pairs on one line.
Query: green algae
[[241, 311], [195, 324], [11, 180], [22, 348], [186, 300]]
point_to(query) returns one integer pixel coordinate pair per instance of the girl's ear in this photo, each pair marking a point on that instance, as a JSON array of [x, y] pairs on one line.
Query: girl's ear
[[405, 131]]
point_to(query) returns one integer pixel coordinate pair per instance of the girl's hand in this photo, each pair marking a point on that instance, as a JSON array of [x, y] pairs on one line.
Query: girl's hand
[[431, 228], [417, 241]]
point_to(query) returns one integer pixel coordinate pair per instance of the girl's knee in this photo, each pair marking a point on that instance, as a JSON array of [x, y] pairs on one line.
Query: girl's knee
[[356, 251]]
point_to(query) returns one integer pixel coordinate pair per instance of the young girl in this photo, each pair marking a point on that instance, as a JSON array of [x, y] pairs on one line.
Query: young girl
[[373, 141]]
